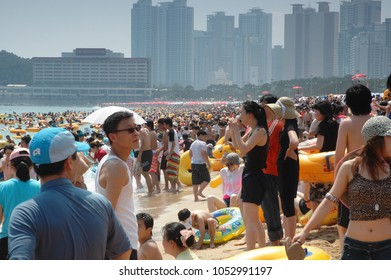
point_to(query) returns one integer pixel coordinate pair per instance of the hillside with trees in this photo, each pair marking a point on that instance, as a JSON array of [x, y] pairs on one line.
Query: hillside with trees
[[15, 69]]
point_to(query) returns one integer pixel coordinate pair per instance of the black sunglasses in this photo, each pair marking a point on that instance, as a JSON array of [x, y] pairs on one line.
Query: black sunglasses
[[129, 129]]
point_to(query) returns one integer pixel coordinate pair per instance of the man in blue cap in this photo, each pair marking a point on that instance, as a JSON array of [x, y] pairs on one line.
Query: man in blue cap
[[64, 222]]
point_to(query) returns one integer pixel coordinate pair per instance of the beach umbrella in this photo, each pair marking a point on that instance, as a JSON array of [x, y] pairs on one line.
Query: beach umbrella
[[100, 115]]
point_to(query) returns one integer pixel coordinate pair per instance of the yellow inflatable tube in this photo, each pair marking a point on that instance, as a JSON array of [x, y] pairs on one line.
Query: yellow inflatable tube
[[329, 220], [184, 167], [278, 253], [219, 150], [33, 129], [17, 130], [228, 229], [317, 168], [216, 181]]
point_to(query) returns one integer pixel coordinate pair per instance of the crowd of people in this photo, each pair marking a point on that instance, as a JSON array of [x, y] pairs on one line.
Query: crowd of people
[[58, 218]]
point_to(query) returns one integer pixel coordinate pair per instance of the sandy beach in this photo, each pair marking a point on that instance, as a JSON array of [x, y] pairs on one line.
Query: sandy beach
[[164, 208]]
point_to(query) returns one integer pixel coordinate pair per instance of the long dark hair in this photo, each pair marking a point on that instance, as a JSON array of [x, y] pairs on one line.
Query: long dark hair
[[371, 157], [22, 166], [172, 231], [258, 112]]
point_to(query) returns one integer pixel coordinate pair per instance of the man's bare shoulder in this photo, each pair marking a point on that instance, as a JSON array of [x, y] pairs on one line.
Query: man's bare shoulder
[[150, 251], [116, 165]]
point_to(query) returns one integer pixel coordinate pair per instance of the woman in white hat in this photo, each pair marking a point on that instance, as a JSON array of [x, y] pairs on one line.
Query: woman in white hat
[[367, 181], [288, 160], [253, 148]]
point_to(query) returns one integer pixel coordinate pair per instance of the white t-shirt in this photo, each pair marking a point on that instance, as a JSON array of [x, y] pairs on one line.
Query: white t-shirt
[[196, 148], [232, 181]]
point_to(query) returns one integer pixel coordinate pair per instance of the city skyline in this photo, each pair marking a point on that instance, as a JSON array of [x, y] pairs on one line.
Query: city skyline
[[43, 28]]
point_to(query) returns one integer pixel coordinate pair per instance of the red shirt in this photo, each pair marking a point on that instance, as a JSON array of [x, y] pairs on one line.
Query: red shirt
[[274, 148], [99, 155]]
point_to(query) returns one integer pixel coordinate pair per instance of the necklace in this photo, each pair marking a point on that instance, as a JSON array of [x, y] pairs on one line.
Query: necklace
[[377, 197]]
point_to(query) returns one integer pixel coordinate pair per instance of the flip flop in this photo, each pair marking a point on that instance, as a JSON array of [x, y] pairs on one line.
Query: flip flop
[[294, 251]]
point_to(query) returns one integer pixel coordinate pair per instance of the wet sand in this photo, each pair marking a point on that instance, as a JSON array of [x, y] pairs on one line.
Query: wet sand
[[165, 206]]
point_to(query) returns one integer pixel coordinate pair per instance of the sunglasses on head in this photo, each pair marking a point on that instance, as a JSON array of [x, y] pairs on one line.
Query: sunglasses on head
[[129, 129]]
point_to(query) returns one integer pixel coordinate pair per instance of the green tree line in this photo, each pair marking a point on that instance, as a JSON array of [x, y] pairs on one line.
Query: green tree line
[[15, 69]]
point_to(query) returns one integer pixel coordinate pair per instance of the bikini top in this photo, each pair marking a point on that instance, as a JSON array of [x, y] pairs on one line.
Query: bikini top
[[369, 200]]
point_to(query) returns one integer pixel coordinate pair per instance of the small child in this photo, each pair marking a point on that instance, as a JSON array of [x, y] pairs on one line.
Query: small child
[[201, 220]]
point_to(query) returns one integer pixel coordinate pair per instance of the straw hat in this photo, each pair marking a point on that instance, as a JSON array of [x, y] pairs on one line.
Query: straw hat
[[284, 108]]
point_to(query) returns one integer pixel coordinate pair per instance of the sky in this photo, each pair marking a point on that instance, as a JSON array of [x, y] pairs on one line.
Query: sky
[[46, 28]]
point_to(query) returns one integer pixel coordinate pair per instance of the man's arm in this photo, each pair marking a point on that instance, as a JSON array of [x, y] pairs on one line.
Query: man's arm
[[124, 256], [201, 228], [21, 236]]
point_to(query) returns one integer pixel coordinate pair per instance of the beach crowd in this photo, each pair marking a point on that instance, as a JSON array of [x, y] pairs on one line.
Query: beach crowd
[[47, 212]]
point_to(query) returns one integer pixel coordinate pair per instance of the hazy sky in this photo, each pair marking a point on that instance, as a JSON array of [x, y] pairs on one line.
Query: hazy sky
[[30, 28]]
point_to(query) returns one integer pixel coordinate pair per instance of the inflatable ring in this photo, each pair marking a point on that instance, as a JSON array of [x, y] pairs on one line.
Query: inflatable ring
[[329, 220], [231, 225], [317, 168], [216, 181], [221, 141], [215, 164], [184, 167], [17, 130], [278, 253], [307, 143], [33, 129], [3, 143]]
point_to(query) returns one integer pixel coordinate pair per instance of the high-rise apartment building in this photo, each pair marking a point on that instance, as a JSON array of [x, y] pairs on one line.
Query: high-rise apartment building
[[356, 16], [311, 42], [277, 63], [254, 48], [203, 59], [145, 35], [179, 43], [221, 29], [164, 34]]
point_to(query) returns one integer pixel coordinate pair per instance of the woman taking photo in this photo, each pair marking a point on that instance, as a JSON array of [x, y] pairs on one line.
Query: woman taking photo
[[367, 181], [253, 148]]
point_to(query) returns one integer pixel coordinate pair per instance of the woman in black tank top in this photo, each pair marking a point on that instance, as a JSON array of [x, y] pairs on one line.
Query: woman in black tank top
[[253, 148]]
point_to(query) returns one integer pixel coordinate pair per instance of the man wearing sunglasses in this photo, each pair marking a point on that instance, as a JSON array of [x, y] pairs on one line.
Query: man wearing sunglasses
[[113, 177]]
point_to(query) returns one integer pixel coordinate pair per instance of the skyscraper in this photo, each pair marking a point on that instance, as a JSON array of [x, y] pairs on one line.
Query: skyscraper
[[179, 43], [311, 42], [145, 36], [164, 34], [221, 29], [356, 16], [253, 48]]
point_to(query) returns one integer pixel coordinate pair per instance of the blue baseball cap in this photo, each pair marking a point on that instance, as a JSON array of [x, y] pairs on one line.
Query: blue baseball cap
[[51, 145]]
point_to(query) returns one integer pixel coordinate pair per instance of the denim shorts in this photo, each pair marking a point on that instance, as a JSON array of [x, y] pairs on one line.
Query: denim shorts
[[360, 250]]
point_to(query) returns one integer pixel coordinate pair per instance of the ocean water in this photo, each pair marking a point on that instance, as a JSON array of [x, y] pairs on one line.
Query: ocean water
[[10, 109]]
